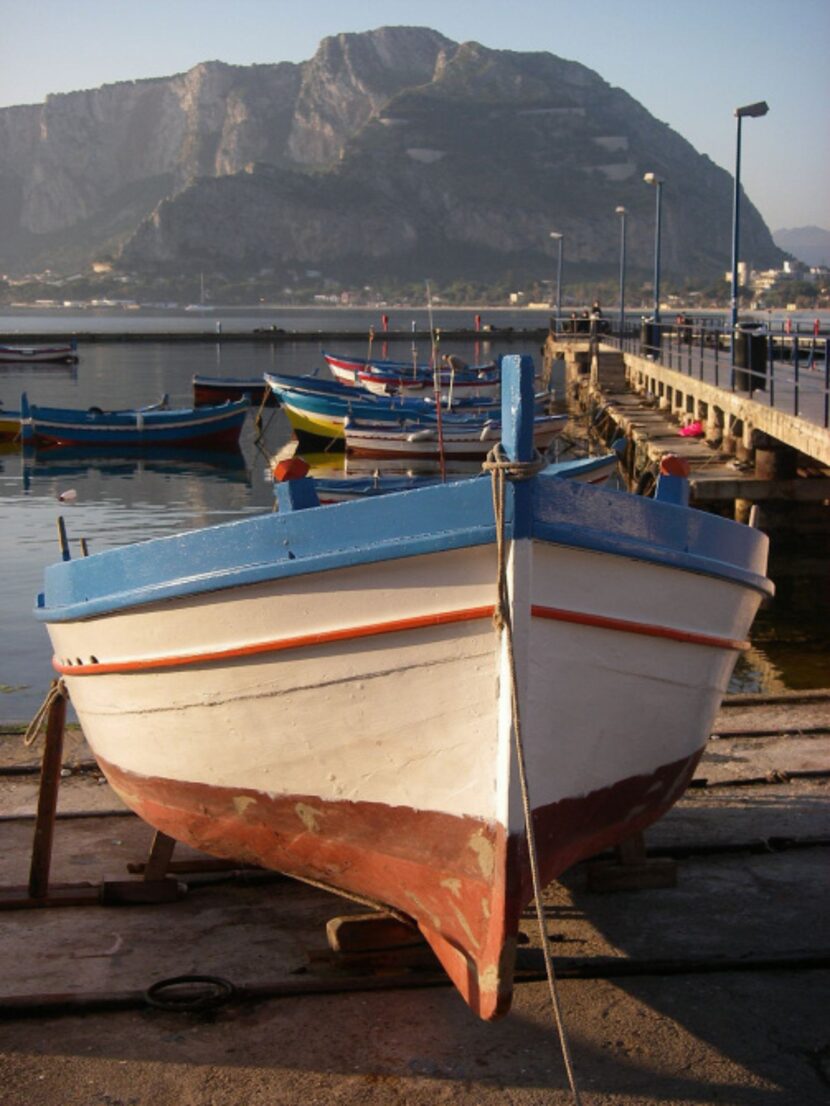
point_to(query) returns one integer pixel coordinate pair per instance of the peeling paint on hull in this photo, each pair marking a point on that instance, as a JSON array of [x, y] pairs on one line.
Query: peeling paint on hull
[[463, 881]]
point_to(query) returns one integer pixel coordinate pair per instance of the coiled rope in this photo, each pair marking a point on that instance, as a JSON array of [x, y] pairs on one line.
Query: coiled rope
[[501, 469]]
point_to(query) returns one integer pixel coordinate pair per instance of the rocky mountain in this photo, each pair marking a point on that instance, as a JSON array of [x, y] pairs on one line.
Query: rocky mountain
[[394, 152], [809, 244]]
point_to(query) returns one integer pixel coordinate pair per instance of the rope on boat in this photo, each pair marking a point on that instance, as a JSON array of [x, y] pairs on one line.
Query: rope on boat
[[361, 900], [502, 468], [57, 690], [258, 416]]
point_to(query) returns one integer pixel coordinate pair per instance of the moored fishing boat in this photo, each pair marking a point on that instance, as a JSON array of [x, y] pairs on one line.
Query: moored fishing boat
[[157, 425], [589, 470], [450, 385], [402, 376], [451, 439], [319, 410], [9, 425], [211, 390], [331, 695], [65, 352]]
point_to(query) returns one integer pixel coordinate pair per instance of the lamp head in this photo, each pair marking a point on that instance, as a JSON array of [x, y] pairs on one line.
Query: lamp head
[[652, 178], [619, 211], [555, 234], [753, 111]]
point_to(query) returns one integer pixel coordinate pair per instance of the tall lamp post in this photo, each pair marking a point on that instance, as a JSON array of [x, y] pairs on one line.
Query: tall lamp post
[[752, 111], [658, 182], [557, 237], [622, 214]]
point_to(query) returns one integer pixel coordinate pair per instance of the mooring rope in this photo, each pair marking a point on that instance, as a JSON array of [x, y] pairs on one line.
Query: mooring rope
[[57, 690], [501, 469]]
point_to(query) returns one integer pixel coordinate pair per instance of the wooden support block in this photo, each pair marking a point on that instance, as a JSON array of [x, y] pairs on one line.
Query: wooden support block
[[631, 869], [125, 892], [370, 932], [199, 865], [47, 801], [74, 894], [159, 857]]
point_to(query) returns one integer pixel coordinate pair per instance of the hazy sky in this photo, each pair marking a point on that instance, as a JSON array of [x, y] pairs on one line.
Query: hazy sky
[[689, 62]]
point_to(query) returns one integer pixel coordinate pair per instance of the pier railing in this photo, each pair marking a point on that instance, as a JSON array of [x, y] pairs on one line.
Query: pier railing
[[788, 370]]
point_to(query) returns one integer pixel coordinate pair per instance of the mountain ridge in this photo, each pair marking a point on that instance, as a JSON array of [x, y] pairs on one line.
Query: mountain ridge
[[450, 153]]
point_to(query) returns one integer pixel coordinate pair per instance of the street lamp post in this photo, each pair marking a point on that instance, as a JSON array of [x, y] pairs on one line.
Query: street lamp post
[[658, 182], [622, 214], [752, 111], [558, 238]]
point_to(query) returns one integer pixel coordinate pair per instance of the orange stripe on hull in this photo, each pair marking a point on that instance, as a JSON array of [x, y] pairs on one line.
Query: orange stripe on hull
[[603, 622], [353, 633]]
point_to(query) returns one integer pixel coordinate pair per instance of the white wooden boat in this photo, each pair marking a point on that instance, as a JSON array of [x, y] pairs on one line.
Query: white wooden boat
[[448, 439], [325, 690], [37, 355]]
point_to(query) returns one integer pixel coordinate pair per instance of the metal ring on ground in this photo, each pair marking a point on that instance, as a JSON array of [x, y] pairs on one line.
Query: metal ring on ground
[[214, 992]]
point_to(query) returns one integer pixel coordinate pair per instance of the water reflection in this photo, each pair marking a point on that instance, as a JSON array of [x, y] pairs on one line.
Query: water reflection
[[68, 461]]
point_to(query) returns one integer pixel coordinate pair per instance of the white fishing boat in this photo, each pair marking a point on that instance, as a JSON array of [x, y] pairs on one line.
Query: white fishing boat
[[445, 439], [65, 352], [370, 694]]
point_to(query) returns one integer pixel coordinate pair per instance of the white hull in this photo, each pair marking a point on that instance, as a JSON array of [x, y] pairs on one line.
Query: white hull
[[426, 442], [423, 730]]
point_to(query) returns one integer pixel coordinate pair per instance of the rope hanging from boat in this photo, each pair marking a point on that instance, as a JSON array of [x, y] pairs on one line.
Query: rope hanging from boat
[[502, 468], [57, 690], [361, 900]]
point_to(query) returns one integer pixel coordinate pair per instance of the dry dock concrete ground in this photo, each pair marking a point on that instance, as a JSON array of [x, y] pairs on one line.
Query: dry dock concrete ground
[[727, 1001]]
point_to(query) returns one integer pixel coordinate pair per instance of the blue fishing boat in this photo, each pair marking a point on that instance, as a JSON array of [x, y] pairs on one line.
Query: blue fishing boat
[[409, 698], [589, 470], [216, 427]]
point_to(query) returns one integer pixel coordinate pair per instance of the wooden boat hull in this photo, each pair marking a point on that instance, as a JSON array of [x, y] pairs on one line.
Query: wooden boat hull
[[9, 426], [194, 428], [34, 355], [399, 378], [319, 417], [589, 470], [484, 386], [364, 441], [210, 391], [330, 696]]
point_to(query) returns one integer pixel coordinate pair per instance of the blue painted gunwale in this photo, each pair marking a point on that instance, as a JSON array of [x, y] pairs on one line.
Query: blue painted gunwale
[[405, 524]]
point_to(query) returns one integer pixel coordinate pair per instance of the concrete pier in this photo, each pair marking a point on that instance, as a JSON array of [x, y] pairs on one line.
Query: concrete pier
[[747, 451]]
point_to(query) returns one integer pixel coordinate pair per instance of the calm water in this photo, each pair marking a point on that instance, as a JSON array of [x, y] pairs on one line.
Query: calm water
[[121, 500]]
